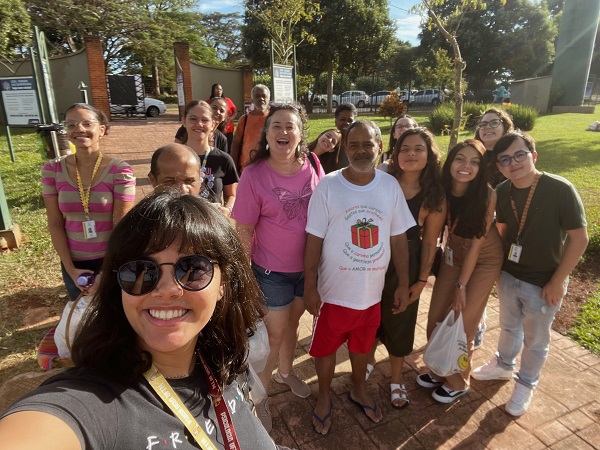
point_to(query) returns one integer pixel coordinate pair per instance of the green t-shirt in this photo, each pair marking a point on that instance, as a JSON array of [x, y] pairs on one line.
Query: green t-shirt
[[555, 208]]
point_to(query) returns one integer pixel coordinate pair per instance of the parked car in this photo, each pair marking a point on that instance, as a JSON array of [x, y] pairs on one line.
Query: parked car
[[376, 98], [404, 94], [428, 96], [151, 107], [321, 100], [360, 99]]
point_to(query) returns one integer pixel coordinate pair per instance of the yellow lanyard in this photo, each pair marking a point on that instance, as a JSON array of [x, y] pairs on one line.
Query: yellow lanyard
[[84, 194], [164, 390]]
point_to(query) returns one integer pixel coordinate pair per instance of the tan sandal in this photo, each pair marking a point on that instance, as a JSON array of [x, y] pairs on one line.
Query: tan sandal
[[399, 392]]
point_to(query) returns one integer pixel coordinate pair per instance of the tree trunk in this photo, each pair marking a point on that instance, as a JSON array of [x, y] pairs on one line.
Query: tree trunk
[[155, 79], [329, 85], [458, 69]]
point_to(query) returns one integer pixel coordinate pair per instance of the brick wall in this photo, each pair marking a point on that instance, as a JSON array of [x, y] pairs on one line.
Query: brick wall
[[95, 61]]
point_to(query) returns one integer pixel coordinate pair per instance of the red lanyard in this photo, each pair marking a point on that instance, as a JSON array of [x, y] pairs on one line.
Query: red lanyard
[[223, 416]]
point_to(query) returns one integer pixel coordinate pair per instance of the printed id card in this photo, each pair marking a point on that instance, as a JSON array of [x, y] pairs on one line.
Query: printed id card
[[449, 256], [514, 254], [89, 229]]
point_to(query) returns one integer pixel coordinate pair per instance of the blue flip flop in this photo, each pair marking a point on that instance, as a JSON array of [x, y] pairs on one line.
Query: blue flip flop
[[322, 421], [363, 408]]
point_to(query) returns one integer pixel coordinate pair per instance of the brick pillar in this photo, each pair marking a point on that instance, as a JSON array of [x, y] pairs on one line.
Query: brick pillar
[[183, 71], [98, 86], [247, 83]]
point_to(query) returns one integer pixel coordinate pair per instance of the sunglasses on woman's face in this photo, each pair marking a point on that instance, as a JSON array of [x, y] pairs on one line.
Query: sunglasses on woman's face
[[192, 273]]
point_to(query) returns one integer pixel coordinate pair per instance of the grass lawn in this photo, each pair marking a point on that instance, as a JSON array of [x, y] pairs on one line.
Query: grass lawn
[[30, 276]]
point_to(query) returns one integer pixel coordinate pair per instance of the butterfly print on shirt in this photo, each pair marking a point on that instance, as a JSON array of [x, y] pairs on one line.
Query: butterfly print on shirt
[[295, 205]]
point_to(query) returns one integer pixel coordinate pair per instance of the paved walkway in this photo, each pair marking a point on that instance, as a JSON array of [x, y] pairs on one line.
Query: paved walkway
[[564, 414]]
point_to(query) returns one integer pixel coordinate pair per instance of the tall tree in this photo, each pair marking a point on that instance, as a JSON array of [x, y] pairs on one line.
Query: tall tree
[[343, 45], [285, 22], [224, 33], [446, 17], [502, 41], [134, 33], [14, 27]]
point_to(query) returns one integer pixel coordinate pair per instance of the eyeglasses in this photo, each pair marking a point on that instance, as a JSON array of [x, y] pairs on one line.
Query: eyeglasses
[[192, 273], [72, 125], [519, 156], [492, 124]]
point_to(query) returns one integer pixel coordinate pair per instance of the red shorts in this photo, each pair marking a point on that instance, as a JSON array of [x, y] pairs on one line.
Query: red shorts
[[338, 324]]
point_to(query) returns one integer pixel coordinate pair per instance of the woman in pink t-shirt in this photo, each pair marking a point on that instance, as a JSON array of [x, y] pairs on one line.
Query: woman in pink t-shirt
[[270, 215]]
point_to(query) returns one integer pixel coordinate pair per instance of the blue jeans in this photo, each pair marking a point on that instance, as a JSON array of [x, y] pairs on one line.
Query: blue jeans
[[525, 321], [279, 288]]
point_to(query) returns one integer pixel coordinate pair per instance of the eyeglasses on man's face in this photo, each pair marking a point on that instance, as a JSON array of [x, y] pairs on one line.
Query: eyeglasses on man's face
[[519, 156]]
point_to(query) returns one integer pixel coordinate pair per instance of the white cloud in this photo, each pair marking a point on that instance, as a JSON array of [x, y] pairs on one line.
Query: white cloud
[[408, 28]]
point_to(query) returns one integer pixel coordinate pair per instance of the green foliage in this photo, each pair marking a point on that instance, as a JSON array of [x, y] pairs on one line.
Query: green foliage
[[442, 117], [392, 106], [440, 73], [502, 41], [587, 328], [341, 83], [14, 27], [474, 110], [523, 117], [372, 83], [136, 35], [285, 22], [262, 78], [167, 98], [223, 33]]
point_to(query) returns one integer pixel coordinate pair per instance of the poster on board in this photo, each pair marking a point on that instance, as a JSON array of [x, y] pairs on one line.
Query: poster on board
[[283, 83], [20, 100]]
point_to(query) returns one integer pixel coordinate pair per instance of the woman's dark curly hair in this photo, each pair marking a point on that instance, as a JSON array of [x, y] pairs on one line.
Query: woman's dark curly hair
[[472, 221], [261, 152], [430, 179], [106, 341]]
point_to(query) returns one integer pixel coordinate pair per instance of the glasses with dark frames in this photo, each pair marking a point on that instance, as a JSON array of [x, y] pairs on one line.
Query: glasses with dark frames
[[192, 273], [519, 156], [492, 124]]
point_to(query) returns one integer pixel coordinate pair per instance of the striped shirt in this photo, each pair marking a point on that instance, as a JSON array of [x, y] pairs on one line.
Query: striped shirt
[[115, 183]]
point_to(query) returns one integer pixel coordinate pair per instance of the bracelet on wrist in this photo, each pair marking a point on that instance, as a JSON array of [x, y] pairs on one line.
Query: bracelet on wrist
[[422, 281]]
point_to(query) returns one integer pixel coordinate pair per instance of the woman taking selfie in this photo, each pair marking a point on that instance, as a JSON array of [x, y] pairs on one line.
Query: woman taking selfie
[[162, 343]]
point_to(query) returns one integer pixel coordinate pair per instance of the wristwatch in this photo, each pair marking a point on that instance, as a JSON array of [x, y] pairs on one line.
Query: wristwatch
[[459, 285]]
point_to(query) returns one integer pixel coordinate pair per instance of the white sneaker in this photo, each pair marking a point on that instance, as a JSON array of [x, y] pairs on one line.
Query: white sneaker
[[492, 371], [520, 400], [263, 412]]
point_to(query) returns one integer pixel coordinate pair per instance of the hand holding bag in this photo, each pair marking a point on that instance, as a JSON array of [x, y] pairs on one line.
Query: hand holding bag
[[446, 351]]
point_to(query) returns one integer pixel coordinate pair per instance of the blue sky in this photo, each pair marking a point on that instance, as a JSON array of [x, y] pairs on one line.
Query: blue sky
[[407, 24]]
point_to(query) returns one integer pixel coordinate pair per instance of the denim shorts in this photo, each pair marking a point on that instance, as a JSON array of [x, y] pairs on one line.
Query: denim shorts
[[279, 288]]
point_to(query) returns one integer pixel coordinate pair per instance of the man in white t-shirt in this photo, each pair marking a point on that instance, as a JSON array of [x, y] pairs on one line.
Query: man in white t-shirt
[[357, 219]]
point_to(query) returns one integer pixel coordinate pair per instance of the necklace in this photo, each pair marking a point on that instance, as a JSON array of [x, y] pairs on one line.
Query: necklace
[[185, 375]]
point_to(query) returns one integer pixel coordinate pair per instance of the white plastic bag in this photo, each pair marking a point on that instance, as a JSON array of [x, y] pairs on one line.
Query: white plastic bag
[[446, 351], [60, 335], [259, 348]]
